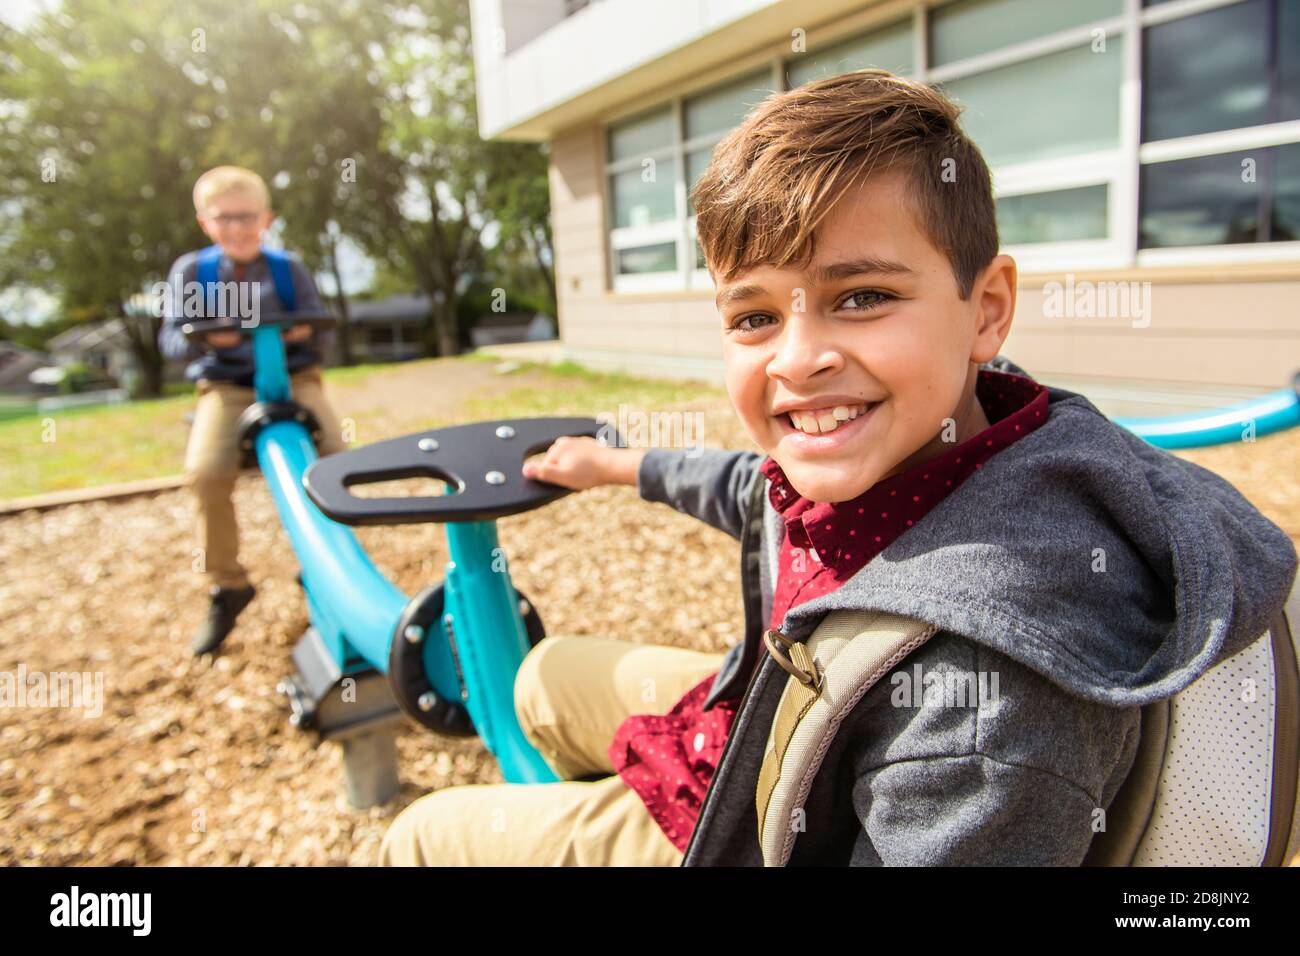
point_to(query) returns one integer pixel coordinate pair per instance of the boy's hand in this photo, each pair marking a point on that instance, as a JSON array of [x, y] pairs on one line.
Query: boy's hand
[[222, 340], [581, 462], [299, 333]]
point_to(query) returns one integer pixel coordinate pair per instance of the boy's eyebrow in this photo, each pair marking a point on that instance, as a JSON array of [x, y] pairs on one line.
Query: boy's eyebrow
[[822, 274]]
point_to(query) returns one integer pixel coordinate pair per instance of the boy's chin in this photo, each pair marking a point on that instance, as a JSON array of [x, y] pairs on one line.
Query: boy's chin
[[826, 483]]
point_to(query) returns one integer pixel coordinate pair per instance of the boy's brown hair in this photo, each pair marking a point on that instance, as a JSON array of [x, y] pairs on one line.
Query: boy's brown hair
[[775, 177]]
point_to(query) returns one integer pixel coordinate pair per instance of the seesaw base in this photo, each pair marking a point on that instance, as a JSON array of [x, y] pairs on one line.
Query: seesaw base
[[370, 766], [355, 709]]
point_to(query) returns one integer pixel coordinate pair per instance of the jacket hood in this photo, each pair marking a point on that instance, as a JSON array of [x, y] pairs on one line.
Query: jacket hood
[[1112, 567]]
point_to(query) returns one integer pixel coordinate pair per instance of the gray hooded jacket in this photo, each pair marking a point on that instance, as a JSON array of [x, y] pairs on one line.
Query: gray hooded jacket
[[1090, 572]]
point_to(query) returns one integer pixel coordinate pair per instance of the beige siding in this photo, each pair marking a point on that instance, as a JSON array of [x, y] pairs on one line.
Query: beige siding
[[578, 219]]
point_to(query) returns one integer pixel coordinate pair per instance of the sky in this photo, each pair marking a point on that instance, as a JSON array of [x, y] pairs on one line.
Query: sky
[[17, 13]]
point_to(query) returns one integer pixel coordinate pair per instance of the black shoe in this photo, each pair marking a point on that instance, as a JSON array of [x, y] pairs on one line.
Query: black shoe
[[225, 607]]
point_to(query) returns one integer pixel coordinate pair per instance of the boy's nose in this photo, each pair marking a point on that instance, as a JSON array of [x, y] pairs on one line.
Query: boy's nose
[[804, 349]]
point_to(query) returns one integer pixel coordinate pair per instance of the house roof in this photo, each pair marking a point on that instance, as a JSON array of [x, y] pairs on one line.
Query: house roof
[[606, 56], [395, 308], [81, 338], [505, 320], [16, 361]]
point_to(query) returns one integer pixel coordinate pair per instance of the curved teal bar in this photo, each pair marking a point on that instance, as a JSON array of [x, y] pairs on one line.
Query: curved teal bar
[[338, 574], [1270, 413]]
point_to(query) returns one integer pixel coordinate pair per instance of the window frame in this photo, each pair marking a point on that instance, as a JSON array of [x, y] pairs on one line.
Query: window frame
[[1283, 133], [1119, 169]]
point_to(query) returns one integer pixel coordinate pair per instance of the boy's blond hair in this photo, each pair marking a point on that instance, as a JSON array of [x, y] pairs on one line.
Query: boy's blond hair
[[228, 179], [775, 177]]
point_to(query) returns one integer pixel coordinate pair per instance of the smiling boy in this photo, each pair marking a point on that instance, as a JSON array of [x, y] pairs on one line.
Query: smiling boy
[[1034, 546], [872, 347]]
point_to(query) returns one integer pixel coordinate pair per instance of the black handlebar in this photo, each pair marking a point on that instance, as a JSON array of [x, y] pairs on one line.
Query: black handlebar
[[201, 327], [481, 462]]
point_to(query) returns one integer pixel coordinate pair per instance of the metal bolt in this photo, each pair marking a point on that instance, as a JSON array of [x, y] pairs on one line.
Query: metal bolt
[[523, 608], [505, 431], [295, 720], [413, 633], [495, 478], [427, 444], [427, 700], [264, 421]]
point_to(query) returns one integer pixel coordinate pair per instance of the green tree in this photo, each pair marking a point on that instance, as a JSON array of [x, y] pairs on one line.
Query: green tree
[[361, 115], [435, 187], [102, 130]]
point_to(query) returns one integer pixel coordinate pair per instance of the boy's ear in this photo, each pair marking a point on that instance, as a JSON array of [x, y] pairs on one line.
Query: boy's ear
[[994, 298]]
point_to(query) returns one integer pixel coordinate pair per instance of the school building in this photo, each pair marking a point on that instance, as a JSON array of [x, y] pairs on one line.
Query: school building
[[1145, 154]]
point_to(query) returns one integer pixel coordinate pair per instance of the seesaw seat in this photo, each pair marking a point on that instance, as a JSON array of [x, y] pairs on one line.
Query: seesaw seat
[[481, 462]]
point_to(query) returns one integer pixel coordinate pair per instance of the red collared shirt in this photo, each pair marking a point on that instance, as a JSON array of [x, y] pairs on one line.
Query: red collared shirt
[[669, 760]]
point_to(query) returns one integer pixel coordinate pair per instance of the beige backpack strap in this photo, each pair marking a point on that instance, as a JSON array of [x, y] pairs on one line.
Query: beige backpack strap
[[848, 653]]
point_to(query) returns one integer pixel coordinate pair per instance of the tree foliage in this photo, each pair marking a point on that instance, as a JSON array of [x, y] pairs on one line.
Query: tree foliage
[[361, 115]]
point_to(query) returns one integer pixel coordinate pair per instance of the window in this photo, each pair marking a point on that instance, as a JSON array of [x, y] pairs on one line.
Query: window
[[1040, 89], [1031, 110], [1066, 215], [1224, 199], [889, 48], [975, 27], [661, 257], [654, 159], [711, 116], [1117, 133], [640, 196], [1220, 129], [1228, 82]]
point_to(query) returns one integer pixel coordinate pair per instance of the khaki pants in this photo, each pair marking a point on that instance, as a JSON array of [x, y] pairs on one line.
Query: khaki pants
[[571, 693], [212, 464]]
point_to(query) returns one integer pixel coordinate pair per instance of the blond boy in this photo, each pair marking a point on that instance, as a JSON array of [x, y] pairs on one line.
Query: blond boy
[[232, 205]]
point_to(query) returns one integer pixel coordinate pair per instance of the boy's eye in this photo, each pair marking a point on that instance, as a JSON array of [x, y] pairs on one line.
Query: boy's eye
[[866, 299], [861, 300], [739, 324]]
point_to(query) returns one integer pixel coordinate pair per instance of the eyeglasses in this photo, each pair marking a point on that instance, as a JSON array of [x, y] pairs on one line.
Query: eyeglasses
[[235, 218]]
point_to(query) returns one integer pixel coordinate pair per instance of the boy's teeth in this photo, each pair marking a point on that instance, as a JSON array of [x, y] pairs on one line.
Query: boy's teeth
[[825, 419]]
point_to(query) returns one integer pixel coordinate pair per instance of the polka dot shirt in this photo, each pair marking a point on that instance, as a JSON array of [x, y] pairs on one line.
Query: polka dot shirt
[[669, 760]]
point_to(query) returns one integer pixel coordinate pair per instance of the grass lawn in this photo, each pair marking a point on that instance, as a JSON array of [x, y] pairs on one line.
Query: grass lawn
[[96, 445], [575, 390], [100, 445]]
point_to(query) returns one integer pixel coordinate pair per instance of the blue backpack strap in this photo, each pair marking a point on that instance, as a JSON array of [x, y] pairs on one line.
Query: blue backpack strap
[[209, 271], [282, 276]]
